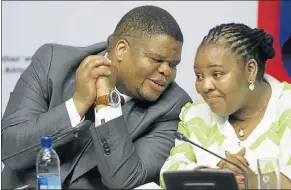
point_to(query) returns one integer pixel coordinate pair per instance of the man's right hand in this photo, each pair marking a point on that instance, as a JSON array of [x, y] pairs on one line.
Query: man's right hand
[[86, 76]]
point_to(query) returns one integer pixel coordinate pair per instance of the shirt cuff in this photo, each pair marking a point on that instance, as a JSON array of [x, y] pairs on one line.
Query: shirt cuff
[[73, 113], [106, 114]]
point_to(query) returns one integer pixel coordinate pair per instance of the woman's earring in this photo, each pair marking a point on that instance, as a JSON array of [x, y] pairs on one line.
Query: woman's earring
[[251, 85]]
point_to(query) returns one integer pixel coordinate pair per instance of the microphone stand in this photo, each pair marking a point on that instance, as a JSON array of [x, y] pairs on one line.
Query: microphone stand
[[56, 137], [180, 136]]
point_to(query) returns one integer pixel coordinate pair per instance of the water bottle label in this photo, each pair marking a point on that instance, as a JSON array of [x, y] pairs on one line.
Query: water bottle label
[[48, 182]]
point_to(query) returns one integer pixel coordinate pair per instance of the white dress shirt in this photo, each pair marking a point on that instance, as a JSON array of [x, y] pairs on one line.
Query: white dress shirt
[[106, 113]]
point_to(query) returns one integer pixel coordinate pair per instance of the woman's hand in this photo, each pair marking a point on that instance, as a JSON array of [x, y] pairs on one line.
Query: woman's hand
[[240, 160]]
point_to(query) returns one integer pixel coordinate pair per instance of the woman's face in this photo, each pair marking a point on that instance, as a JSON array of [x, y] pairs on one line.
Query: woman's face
[[221, 79]]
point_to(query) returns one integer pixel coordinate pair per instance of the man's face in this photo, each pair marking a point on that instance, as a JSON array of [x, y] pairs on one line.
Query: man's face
[[148, 66], [221, 79]]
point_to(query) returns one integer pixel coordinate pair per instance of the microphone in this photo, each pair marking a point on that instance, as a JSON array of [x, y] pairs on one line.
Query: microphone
[[181, 137], [56, 137]]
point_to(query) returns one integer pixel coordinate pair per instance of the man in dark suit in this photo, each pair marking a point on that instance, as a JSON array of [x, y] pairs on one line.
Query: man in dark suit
[[127, 89]]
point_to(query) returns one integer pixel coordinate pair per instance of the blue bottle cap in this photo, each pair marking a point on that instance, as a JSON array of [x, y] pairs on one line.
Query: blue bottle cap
[[46, 142]]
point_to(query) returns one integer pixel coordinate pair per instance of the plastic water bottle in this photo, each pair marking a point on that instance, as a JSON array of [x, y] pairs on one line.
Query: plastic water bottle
[[48, 166]]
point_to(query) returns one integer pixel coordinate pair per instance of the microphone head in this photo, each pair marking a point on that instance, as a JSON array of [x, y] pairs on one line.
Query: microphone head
[[179, 136]]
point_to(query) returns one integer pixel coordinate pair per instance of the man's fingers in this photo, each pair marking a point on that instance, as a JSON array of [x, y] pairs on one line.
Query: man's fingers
[[94, 61], [100, 71], [108, 59]]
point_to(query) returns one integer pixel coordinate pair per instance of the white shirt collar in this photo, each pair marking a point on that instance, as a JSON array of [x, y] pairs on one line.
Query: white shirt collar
[[126, 98]]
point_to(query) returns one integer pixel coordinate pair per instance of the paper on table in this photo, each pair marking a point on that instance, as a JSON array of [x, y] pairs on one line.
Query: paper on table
[[151, 185]]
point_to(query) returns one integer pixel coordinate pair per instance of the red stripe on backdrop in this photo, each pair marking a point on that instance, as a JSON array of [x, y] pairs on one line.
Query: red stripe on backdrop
[[269, 20]]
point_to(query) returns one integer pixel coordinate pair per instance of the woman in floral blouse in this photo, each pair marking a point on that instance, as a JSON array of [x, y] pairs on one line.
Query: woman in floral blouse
[[245, 114]]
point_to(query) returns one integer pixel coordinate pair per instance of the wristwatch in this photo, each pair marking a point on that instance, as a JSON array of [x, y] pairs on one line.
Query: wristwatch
[[111, 99]]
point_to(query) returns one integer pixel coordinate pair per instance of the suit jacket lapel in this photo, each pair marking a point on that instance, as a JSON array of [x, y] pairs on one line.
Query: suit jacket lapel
[[133, 115]]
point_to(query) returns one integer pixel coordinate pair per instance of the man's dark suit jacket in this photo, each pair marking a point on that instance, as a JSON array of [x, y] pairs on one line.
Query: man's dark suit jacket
[[139, 141]]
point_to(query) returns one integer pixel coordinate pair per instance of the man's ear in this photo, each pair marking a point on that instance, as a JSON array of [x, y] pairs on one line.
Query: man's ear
[[121, 49]]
